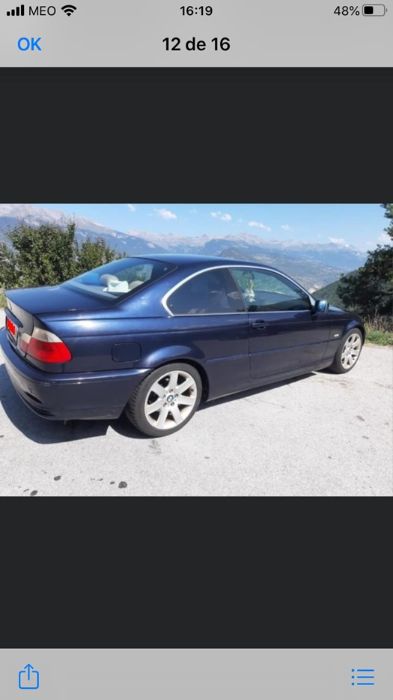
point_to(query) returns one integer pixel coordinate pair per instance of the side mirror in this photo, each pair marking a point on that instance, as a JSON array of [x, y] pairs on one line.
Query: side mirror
[[321, 305]]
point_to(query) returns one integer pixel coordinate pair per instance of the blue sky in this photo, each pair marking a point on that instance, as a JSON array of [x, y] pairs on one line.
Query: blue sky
[[360, 225]]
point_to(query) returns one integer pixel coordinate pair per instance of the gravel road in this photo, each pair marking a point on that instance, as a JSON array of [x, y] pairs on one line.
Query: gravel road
[[321, 435]]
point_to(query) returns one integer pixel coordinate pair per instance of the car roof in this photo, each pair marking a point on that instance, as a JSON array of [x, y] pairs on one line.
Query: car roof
[[186, 260]]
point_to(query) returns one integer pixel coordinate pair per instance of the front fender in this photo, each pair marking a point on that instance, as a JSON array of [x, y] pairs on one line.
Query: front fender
[[356, 323]]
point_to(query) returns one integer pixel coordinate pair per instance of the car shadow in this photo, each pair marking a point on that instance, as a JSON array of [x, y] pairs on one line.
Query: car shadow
[[38, 429], [49, 432], [123, 427]]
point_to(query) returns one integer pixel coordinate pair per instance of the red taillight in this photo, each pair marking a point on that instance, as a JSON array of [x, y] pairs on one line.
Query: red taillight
[[48, 352], [44, 346], [11, 327]]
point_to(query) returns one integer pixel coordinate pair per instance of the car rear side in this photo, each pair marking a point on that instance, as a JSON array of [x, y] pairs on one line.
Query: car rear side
[[70, 353]]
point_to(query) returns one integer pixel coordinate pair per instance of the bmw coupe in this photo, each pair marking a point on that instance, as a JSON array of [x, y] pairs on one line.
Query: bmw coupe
[[154, 336]]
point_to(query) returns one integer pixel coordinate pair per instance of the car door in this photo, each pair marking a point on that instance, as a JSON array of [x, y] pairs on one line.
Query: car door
[[207, 315], [285, 336]]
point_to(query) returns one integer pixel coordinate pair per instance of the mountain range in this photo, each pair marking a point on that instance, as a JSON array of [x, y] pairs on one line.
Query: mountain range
[[313, 264]]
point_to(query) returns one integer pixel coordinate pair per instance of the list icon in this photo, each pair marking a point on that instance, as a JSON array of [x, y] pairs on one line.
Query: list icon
[[363, 676]]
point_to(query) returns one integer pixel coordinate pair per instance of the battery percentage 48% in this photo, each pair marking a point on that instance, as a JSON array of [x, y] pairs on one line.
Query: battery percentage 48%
[[347, 10]]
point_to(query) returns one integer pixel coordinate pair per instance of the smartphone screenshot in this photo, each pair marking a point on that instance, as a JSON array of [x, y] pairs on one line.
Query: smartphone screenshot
[[196, 350]]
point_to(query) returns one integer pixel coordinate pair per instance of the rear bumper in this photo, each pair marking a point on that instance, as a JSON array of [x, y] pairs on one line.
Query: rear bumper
[[84, 396]]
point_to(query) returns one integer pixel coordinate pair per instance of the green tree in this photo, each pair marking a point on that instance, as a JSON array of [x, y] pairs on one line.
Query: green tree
[[91, 254], [39, 256], [389, 215], [48, 255], [370, 289], [8, 268]]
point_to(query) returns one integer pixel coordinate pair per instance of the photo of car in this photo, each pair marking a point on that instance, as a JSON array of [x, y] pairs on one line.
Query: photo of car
[[155, 336]]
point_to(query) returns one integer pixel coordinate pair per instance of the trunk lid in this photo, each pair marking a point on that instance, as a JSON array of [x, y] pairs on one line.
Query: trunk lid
[[61, 298], [25, 306]]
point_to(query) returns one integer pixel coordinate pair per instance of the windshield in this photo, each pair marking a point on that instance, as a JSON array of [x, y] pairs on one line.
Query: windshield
[[120, 277]]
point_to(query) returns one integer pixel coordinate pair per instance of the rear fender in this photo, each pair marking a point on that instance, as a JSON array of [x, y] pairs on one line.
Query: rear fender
[[170, 353]]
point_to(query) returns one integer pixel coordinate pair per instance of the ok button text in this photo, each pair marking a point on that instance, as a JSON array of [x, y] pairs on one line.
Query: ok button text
[[29, 43]]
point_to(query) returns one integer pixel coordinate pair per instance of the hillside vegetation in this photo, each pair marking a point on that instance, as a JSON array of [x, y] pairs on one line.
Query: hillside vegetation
[[330, 293], [379, 329], [369, 290]]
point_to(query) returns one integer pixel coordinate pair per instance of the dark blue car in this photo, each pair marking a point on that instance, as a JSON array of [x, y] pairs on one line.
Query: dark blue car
[[154, 336]]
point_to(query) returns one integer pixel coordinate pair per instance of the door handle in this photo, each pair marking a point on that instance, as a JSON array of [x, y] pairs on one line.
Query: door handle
[[258, 325]]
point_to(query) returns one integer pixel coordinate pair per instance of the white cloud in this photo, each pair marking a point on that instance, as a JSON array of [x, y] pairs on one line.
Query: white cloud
[[366, 245], [259, 224], [338, 241], [286, 227], [131, 207], [221, 215], [166, 214], [384, 238]]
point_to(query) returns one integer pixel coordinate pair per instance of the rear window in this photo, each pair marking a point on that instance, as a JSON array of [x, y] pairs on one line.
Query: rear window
[[211, 292], [120, 277]]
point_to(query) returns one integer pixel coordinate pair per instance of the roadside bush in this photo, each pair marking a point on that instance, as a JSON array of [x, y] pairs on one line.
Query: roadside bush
[[369, 290], [48, 255]]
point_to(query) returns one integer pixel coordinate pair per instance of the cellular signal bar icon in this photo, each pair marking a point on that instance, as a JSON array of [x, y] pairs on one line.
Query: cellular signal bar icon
[[18, 12]]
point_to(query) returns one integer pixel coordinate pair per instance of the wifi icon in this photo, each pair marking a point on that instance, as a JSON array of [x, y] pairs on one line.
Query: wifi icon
[[69, 9]]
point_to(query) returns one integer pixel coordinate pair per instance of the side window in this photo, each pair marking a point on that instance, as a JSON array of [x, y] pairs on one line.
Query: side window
[[267, 291], [212, 292]]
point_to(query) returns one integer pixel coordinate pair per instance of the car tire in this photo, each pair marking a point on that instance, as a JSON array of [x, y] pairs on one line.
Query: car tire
[[174, 390], [348, 352]]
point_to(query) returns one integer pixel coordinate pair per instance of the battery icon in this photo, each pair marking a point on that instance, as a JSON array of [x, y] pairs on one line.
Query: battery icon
[[374, 10]]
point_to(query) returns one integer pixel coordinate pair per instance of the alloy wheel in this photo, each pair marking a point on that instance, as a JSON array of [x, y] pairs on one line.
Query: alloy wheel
[[170, 400], [351, 350]]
